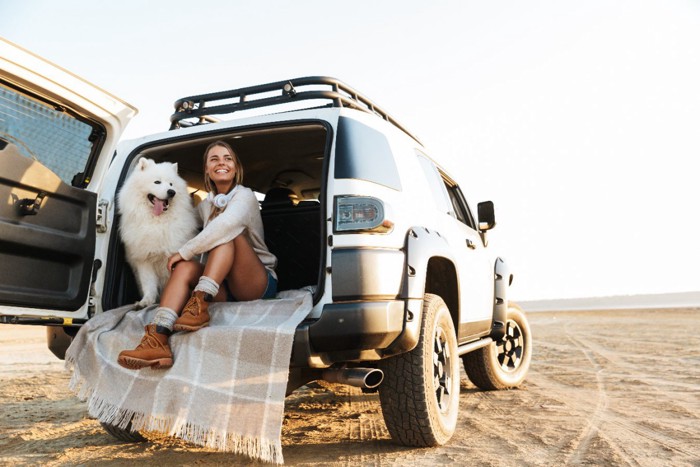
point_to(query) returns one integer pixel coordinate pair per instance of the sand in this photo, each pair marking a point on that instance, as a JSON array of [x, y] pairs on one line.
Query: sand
[[605, 388]]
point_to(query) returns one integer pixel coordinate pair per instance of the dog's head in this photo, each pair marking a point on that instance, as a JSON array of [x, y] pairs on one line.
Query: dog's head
[[159, 183]]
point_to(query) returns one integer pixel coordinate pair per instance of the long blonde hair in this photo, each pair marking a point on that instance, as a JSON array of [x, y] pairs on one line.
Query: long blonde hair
[[237, 178]]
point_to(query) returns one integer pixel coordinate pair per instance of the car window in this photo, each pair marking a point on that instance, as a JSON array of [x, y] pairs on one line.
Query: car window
[[437, 187], [364, 153], [445, 192], [46, 134], [460, 209]]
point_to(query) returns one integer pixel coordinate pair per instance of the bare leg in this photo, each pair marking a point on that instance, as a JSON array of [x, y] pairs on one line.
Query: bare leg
[[247, 278], [179, 287], [220, 261], [235, 261], [239, 264]]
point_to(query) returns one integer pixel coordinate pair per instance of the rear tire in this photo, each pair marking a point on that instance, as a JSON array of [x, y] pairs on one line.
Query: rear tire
[[503, 364], [124, 434], [420, 392]]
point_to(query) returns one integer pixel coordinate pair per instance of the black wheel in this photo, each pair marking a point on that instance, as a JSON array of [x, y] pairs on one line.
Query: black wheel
[[420, 392], [503, 364], [124, 434]]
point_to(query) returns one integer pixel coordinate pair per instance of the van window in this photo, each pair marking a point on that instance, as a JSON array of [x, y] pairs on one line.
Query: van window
[[460, 208], [364, 153], [437, 187], [446, 193], [46, 134]]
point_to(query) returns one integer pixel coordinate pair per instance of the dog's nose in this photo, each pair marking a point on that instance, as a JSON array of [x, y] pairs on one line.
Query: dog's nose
[[171, 193]]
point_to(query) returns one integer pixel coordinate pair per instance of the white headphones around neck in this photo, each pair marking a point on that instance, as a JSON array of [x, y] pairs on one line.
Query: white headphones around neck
[[222, 199]]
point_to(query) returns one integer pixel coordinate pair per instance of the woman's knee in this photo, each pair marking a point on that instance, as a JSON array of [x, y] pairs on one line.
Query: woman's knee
[[223, 248]]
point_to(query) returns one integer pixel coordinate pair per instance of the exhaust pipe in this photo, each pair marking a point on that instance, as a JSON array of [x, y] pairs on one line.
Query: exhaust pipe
[[368, 378]]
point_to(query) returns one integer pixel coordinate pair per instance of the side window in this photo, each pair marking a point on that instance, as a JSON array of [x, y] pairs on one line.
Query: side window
[[437, 187], [364, 153], [459, 205], [46, 134], [447, 195]]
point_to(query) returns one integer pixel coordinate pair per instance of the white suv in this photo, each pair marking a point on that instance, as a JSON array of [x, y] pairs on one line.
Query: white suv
[[403, 282]]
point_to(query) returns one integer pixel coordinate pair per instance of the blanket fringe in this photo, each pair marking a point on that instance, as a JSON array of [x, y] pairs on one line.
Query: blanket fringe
[[255, 448], [77, 382]]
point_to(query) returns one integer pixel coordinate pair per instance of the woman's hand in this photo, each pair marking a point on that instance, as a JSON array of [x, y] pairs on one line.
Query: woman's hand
[[173, 260]]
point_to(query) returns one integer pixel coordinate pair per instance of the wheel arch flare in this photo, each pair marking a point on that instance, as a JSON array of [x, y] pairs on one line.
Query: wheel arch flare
[[502, 280]]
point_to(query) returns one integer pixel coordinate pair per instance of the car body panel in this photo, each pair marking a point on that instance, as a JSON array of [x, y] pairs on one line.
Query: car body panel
[[48, 250]]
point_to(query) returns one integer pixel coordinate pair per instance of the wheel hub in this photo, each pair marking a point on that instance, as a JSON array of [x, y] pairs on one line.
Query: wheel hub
[[442, 369], [510, 348]]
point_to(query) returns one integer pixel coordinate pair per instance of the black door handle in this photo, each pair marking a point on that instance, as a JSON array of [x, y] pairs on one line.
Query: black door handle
[[30, 207]]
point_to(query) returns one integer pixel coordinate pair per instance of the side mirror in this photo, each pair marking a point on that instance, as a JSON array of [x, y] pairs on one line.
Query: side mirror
[[487, 216]]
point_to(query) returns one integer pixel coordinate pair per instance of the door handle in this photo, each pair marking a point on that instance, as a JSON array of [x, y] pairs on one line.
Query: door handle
[[28, 206], [470, 244]]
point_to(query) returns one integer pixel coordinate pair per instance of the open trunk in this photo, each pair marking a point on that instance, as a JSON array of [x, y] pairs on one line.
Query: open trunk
[[284, 165]]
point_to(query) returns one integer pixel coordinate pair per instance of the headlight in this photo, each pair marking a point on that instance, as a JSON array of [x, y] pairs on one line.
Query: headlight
[[360, 213]]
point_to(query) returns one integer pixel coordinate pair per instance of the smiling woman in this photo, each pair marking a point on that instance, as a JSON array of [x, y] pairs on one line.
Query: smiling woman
[[222, 167], [227, 261], [223, 171]]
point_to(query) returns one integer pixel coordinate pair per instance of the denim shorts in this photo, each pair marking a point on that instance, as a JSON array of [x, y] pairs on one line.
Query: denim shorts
[[270, 290]]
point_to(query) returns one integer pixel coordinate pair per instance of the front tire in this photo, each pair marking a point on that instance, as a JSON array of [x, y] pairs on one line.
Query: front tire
[[420, 392], [503, 364]]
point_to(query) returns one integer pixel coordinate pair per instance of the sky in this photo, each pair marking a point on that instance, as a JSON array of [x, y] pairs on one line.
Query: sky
[[580, 120]]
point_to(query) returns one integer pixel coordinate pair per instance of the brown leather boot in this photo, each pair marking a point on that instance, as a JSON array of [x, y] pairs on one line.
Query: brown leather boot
[[153, 351], [195, 315]]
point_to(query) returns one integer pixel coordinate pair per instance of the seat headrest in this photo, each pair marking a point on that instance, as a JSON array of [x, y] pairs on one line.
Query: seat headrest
[[278, 196]]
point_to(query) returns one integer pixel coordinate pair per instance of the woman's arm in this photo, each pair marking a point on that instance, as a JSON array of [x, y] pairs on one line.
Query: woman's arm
[[226, 226]]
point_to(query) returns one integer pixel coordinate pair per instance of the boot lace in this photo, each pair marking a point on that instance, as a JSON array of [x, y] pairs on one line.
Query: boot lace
[[149, 341], [193, 306]]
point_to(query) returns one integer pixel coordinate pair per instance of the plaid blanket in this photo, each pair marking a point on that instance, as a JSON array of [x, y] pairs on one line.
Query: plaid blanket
[[225, 390]]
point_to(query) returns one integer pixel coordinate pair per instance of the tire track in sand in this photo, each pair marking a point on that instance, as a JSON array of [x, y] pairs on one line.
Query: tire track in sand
[[594, 420], [661, 438]]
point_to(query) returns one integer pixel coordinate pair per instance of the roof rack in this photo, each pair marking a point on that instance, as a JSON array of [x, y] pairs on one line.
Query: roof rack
[[339, 93]]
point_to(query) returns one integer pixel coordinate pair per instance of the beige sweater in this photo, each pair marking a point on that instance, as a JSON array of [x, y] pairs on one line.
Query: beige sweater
[[241, 216]]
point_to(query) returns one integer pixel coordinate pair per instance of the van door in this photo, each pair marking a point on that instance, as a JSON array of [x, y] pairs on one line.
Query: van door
[[474, 267], [57, 133]]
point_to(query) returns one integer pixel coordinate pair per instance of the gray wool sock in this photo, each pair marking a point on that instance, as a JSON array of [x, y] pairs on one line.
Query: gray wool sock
[[164, 317], [207, 285]]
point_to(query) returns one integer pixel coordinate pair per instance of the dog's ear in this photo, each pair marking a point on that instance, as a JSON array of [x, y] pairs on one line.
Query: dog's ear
[[144, 163], [175, 167]]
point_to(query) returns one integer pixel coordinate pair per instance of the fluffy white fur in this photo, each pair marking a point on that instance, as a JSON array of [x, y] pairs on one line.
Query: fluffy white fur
[[157, 218]]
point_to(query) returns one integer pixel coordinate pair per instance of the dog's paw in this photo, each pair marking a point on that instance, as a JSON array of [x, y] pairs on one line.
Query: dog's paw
[[144, 303]]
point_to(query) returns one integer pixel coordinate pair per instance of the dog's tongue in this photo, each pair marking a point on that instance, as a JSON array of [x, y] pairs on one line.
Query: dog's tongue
[[158, 206]]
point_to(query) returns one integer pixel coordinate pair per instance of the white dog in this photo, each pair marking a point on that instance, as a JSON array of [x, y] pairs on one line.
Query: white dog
[[157, 218]]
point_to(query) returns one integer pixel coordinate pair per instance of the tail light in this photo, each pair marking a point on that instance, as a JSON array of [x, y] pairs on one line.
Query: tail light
[[360, 213]]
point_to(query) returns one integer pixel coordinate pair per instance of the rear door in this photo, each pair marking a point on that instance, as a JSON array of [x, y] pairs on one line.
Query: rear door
[[57, 134]]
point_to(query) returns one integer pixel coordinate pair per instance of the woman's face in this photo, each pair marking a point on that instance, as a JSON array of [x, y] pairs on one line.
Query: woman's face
[[221, 167]]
